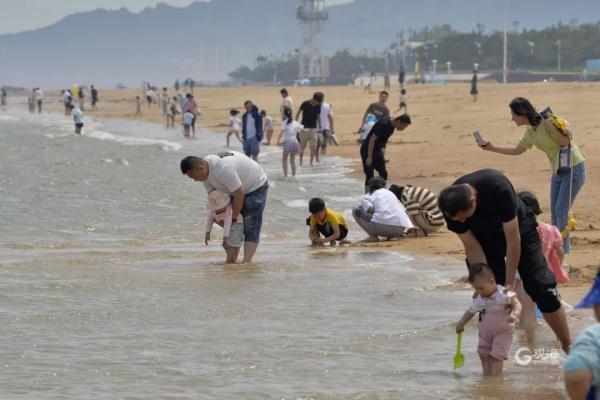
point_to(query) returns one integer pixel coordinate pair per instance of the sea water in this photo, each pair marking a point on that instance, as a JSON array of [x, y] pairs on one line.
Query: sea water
[[108, 291]]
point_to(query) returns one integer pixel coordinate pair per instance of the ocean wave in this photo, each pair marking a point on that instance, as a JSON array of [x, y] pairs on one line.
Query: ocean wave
[[8, 118], [134, 141], [298, 203]]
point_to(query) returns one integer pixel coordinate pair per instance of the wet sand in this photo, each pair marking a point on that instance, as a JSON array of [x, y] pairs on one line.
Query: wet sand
[[437, 148]]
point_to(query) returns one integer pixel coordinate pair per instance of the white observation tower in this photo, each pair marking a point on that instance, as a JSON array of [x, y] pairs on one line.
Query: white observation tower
[[311, 17]]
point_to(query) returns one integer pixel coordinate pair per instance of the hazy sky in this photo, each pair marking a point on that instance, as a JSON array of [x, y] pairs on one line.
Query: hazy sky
[[21, 15]]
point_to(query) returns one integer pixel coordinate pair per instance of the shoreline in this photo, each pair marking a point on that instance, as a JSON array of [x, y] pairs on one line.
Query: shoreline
[[433, 152]]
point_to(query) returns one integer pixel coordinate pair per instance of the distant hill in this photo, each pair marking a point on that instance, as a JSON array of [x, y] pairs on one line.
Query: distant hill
[[207, 40]]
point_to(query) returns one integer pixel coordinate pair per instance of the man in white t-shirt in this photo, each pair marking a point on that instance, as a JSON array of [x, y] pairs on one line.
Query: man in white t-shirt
[[326, 134], [244, 180], [381, 214]]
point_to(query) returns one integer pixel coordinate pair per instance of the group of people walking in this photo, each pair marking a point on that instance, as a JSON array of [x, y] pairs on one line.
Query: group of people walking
[[313, 131]]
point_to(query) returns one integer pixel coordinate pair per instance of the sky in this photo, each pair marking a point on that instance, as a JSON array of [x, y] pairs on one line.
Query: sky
[[22, 15]]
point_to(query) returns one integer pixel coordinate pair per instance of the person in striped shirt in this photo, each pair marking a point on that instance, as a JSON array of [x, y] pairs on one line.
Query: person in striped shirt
[[421, 205]]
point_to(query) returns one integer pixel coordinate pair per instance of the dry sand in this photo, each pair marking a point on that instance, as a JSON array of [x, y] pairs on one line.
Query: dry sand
[[438, 147]]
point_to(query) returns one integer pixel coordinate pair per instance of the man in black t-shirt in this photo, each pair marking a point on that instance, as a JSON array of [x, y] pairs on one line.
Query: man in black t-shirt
[[497, 229], [311, 111], [372, 149]]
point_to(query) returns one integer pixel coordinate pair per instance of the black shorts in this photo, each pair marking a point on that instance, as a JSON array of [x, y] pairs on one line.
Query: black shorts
[[78, 126], [538, 279], [327, 230]]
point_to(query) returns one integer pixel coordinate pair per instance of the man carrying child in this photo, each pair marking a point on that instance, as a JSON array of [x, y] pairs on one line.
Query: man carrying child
[[243, 180]]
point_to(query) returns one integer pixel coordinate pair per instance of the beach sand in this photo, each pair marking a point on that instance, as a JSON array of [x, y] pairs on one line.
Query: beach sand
[[437, 148]]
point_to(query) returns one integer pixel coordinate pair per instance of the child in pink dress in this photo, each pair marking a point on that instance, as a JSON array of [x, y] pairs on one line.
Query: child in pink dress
[[500, 311], [551, 238], [219, 204]]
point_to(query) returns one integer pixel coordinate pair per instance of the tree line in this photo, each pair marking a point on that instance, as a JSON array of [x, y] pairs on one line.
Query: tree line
[[527, 50]]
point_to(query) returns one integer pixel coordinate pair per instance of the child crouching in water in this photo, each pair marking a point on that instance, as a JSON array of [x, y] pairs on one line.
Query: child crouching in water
[[500, 312], [291, 147], [326, 222], [220, 213]]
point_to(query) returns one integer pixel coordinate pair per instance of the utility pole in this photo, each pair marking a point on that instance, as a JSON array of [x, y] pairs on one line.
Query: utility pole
[[558, 45], [505, 53]]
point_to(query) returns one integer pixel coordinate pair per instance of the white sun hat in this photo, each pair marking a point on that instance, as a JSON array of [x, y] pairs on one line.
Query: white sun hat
[[217, 200]]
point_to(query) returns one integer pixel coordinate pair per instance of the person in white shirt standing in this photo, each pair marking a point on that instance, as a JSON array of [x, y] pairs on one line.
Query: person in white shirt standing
[[291, 147], [235, 126], [244, 180], [77, 118], [268, 126], [39, 97], [286, 102], [382, 215], [326, 135], [67, 100]]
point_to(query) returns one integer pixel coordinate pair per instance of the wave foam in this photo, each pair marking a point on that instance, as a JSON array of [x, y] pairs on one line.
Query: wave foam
[[134, 141]]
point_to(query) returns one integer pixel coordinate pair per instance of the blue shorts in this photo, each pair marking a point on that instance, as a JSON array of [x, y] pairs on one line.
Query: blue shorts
[[251, 147], [252, 212]]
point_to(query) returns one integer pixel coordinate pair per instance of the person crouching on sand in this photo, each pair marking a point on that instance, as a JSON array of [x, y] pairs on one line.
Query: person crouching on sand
[[497, 325], [326, 222]]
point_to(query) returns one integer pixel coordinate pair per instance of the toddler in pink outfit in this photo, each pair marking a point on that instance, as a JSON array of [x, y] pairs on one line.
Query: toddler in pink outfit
[[221, 212], [500, 310]]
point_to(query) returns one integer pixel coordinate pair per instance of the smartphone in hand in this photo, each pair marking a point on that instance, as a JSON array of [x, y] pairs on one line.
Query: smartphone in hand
[[546, 112], [479, 139]]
